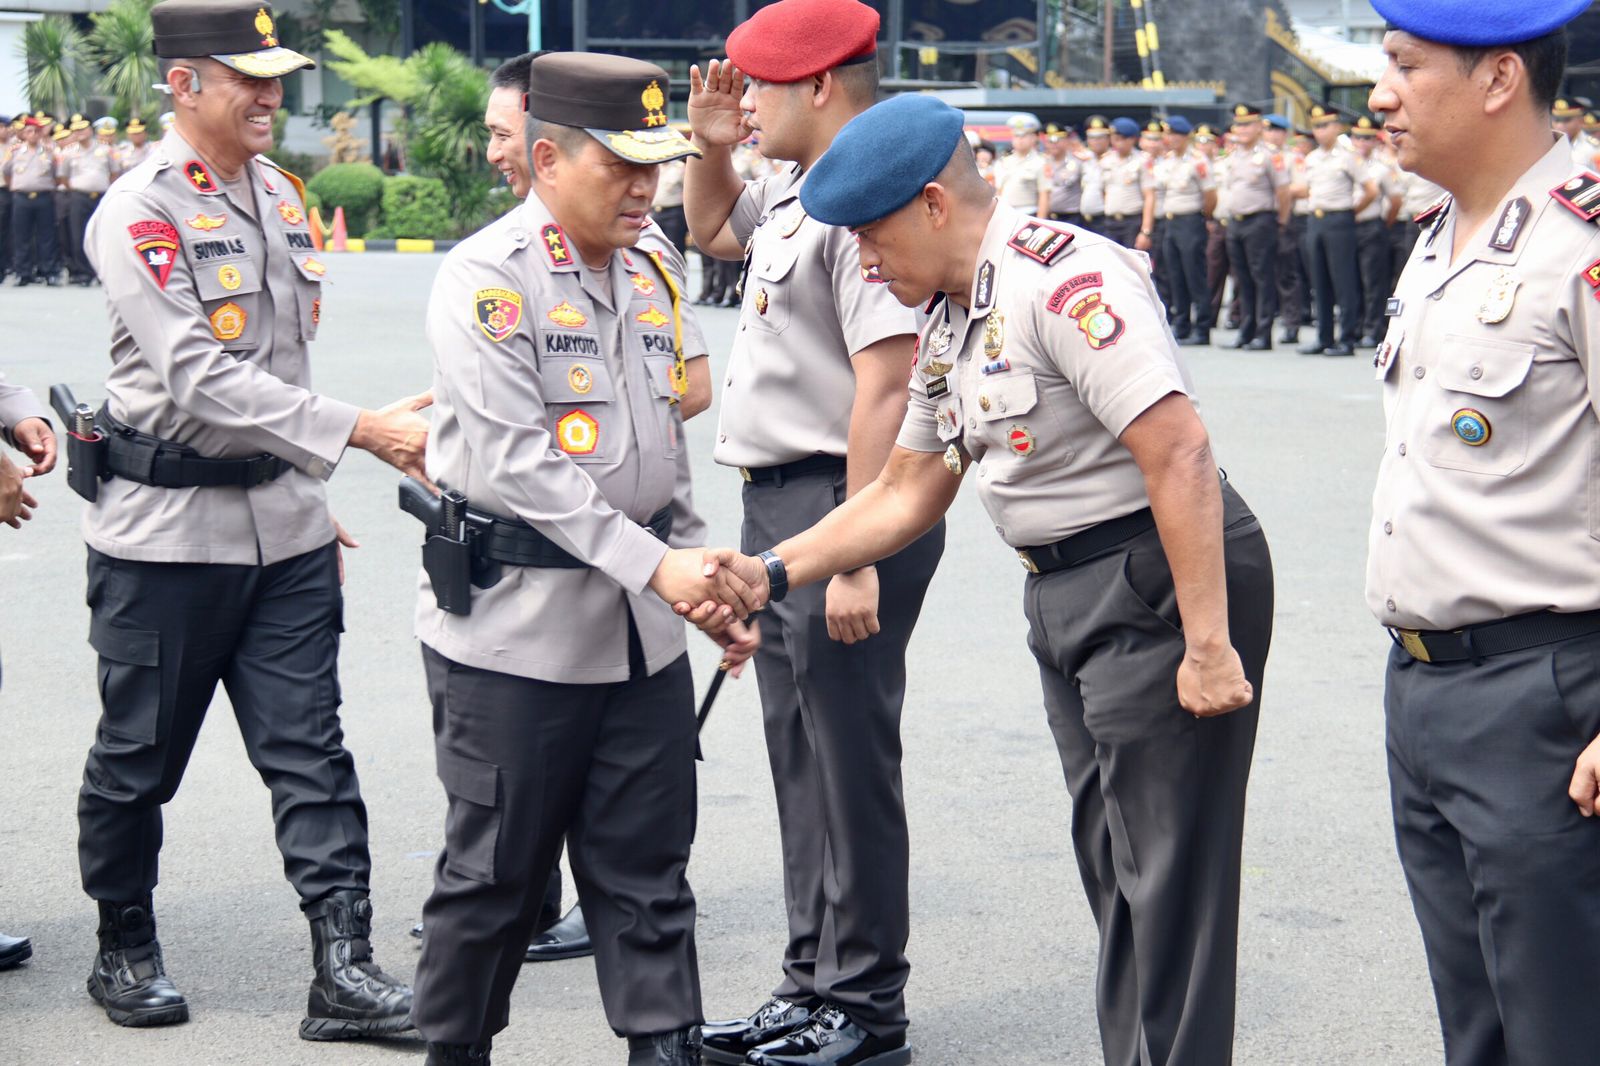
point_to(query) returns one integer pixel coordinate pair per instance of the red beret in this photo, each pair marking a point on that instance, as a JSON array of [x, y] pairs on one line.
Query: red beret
[[794, 39]]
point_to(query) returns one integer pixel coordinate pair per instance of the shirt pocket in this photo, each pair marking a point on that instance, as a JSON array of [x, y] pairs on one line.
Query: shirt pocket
[[1477, 418], [230, 296], [769, 291], [581, 406], [1001, 415], [660, 372]]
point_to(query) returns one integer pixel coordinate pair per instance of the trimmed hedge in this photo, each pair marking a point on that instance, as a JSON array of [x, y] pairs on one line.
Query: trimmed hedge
[[356, 187], [416, 207]]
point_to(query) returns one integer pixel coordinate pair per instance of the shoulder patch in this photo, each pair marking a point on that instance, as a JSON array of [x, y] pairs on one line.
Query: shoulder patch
[[156, 243], [498, 312], [200, 177], [1058, 299], [555, 245], [1580, 195], [1039, 242]]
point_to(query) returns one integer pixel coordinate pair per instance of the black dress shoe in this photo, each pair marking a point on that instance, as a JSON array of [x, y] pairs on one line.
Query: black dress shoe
[[680, 1048], [1260, 344], [457, 1055], [1195, 340], [729, 1042], [1310, 349], [129, 979], [351, 997], [567, 939], [832, 1039], [1342, 348], [14, 951]]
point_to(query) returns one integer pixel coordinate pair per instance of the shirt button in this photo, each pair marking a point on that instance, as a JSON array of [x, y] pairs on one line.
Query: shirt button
[[722, 438], [1402, 449], [1418, 373], [1388, 527], [1389, 605], [972, 423], [1475, 373], [1002, 405]]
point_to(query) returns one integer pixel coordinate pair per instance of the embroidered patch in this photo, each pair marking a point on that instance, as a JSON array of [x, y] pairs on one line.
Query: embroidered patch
[[580, 379], [1058, 299], [1020, 440], [652, 316], [313, 266], [1100, 325], [1509, 228], [570, 343], [290, 213], [642, 285], [1591, 274], [157, 244], [200, 177], [228, 321], [1040, 242], [564, 314], [316, 311], [985, 290], [498, 312], [229, 278], [1580, 195], [555, 245], [206, 223], [578, 433]]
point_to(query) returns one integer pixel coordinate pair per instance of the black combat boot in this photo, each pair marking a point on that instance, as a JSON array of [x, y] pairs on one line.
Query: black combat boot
[[350, 996], [457, 1055], [129, 979], [680, 1048]]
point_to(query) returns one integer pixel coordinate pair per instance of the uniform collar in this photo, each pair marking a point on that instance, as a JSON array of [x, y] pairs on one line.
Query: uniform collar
[[1548, 172], [562, 257]]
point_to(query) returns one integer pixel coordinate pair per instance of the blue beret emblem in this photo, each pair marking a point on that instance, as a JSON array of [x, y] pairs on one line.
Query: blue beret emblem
[[1471, 427]]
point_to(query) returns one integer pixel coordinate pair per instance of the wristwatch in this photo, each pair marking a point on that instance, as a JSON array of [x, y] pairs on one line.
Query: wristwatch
[[777, 577]]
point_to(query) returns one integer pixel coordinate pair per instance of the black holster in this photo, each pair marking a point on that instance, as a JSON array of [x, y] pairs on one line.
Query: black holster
[[86, 464]]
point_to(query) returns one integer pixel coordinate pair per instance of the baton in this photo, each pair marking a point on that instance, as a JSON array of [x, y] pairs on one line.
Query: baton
[[705, 705]]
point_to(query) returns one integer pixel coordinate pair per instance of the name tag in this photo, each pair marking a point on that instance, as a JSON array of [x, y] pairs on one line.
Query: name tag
[[1393, 306], [938, 387]]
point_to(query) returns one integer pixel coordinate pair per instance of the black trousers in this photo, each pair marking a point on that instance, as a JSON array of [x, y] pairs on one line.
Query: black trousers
[[674, 225], [525, 763], [1335, 275], [80, 205], [35, 252], [1123, 229], [1253, 251], [1217, 268], [5, 232], [1294, 275], [1160, 268], [1504, 872], [832, 717], [166, 634], [1373, 254], [1158, 796], [1183, 256]]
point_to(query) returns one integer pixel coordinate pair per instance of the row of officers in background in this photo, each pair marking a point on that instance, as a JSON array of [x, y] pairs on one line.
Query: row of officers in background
[[1312, 225], [52, 176]]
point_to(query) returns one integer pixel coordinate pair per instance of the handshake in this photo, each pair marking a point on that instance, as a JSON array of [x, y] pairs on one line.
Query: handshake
[[717, 589]]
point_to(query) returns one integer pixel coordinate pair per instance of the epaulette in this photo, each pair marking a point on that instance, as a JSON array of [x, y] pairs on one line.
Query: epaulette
[[292, 179], [1041, 243], [1427, 214], [933, 302], [1580, 195]]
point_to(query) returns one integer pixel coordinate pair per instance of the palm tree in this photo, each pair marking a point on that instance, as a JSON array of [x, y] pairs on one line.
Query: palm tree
[[122, 43], [60, 73]]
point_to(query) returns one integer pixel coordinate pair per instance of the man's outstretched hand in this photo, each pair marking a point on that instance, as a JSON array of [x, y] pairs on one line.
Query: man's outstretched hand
[[712, 614], [690, 576]]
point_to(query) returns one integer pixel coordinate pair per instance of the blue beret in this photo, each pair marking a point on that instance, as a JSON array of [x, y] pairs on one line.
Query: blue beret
[[1277, 121], [1476, 23], [1124, 127], [1181, 125], [881, 159]]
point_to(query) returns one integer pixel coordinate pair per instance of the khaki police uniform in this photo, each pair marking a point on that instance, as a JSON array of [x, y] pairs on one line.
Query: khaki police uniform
[[1334, 178], [1018, 178], [1125, 180], [17, 405], [215, 293], [88, 169], [1066, 176], [831, 710], [1185, 180], [132, 155], [1486, 512], [1254, 176], [31, 173], [1063, 348], [8, 137]]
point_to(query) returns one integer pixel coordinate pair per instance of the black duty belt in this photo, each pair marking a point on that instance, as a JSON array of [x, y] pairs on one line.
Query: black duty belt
[[510, 541], [170, 465], [1495, 638], [1081, 547], [816, 464]]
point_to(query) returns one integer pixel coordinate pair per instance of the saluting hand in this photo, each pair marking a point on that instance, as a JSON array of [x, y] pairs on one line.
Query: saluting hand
[[34, 436], [397, 434], [1585, 787], [1212, 682], [16, 502], [714, 112]]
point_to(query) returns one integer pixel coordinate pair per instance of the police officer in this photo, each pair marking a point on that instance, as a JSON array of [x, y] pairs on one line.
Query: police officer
[[1566, 118], [1257, 191], [1097, 142], [1294, 275], [134, 150], [1020, 174], [25, 427], [556, 368], [814, 389], [1047, 366], [1373, 248], [1065, 175], [1191, 197], [9, 130], [1336, 187], [1417, 196], [212, 555], [1130, 189], [1483, 560], [30, 168], [88, 169]]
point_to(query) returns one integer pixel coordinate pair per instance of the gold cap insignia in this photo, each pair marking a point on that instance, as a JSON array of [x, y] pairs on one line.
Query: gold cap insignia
[[654, 101], [265, 28]]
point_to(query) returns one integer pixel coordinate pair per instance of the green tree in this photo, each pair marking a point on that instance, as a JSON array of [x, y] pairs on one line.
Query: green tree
[[60, 69], [121, 42]]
